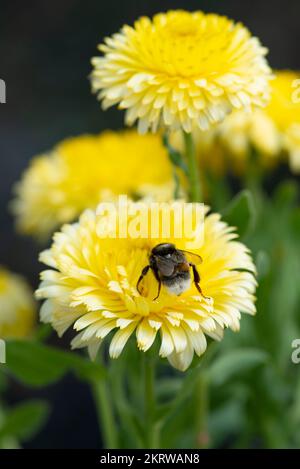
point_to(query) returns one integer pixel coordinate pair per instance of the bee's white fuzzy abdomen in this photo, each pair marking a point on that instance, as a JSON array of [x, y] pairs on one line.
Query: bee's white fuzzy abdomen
[[179, 286]]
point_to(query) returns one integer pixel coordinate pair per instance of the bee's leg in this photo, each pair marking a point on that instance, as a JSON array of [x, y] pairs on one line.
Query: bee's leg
[[144, 272], [158, 291], [158, 281], [197, 281]]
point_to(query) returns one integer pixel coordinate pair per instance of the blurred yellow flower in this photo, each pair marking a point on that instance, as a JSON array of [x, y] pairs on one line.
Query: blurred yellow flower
[[91, 286], [230, 146], [291, 142], [181, 70], [82, 171], [284, 110], [17, 306], [242, 130], [273, 132]]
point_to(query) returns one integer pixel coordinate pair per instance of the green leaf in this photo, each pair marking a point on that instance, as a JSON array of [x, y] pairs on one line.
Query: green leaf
[[42, 332], [226, 419], [295, 222], [235, 362], [168, 387], [9, 443], [25, 420], [162, 411], [241, 213], [286, 195], [36, 364], [3, 381]]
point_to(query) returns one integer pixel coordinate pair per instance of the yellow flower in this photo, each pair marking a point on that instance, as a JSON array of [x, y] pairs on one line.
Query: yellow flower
[[229, 147], [181, 70], [242, 130], [17, 306], [82, 171], [284, 111], [91, 286], [272, 131], [291, 141]]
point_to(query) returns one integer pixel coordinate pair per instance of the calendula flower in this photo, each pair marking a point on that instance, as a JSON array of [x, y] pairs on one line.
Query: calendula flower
[[181, 70], [284, 110], [91, 284], [17, 306], [241, 131], [81, 172], [273, 132], [231, 145]]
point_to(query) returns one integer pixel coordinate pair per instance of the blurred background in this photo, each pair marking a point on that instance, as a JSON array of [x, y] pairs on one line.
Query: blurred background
[[45, 51]]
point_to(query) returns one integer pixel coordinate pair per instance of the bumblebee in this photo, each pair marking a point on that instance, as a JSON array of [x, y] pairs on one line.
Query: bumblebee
[[172, 268]]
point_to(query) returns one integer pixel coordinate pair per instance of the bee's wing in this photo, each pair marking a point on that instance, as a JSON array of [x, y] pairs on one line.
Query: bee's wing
[[165, 266], [191, 257]]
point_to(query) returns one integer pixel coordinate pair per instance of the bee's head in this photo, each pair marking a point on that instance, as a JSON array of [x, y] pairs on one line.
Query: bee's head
[[163, 249]]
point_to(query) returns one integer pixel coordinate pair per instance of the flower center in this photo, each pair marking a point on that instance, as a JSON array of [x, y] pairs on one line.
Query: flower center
[[185, 29], [185, 50]]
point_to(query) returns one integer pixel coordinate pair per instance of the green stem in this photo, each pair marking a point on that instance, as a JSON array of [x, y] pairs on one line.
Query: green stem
[[177, 162], [254, 173], [127, 416], [105, 414], [151, 432], [193, 171], [201, 411], [176, 185]]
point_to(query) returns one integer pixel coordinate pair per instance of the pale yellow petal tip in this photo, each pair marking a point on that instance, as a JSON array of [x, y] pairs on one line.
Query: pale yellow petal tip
[[38, 295], [93, 350], [142, 346]]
